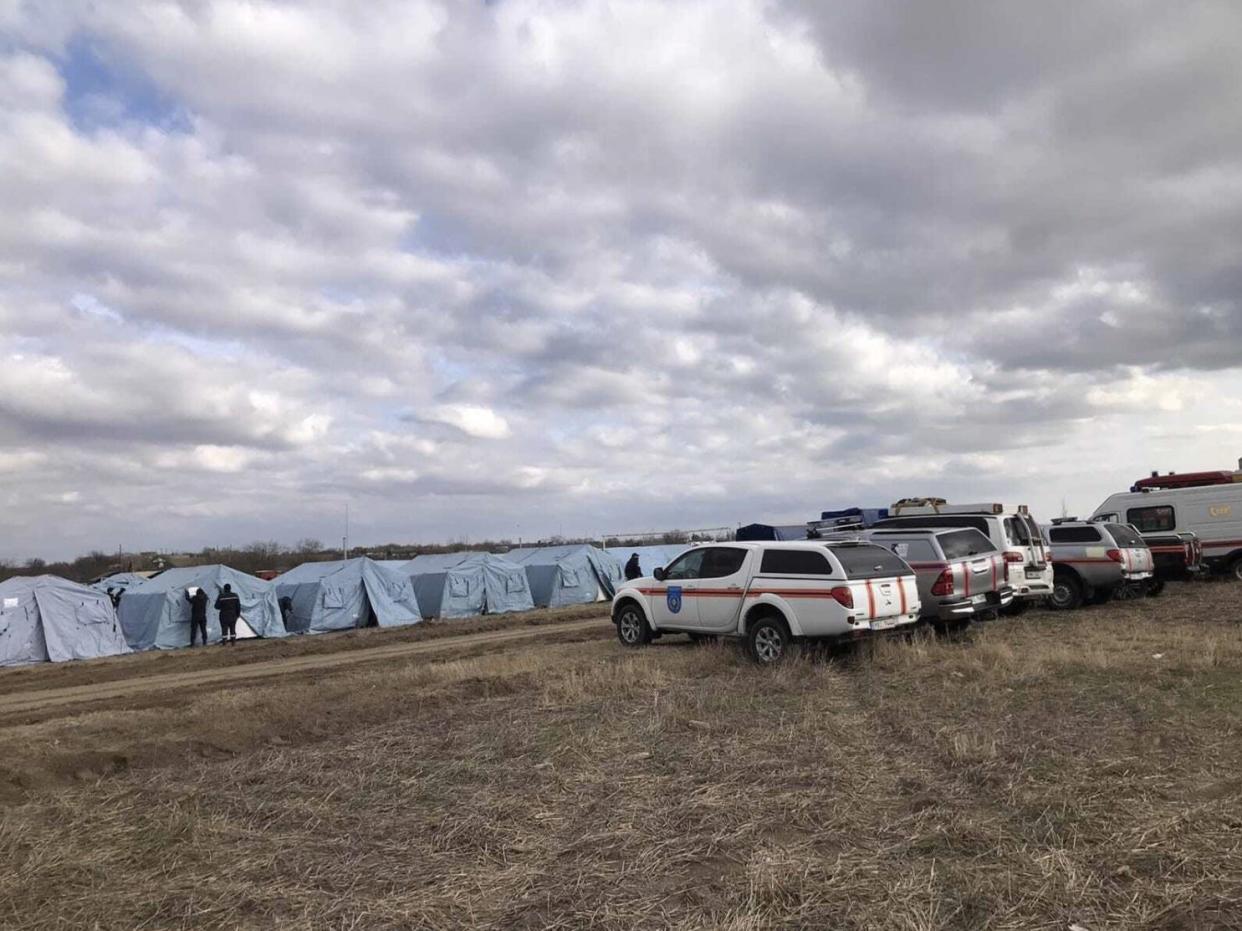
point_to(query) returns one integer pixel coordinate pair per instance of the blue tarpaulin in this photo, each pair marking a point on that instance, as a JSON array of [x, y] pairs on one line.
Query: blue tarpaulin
[[566, 575], [46, 618], [468, 583], [344, 594], [155, 614]]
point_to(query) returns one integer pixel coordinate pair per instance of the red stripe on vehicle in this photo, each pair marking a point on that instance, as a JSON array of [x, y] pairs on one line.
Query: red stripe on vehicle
[[966, 577], [791, 592], [870, 600], [901, 587]]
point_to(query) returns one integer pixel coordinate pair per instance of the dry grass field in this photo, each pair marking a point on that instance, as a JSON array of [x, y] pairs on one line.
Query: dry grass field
[[1046, 772]]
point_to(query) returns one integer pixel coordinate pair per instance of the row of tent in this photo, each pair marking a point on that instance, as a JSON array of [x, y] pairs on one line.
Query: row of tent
[[47, 618]]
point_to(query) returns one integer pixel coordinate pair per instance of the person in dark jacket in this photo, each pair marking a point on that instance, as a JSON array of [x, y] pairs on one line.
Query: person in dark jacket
[[198, 614], [229, 606], [632, 569]]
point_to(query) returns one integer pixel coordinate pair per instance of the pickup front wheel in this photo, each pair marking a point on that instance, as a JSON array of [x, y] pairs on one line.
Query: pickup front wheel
[[767, 640], [632, 627]]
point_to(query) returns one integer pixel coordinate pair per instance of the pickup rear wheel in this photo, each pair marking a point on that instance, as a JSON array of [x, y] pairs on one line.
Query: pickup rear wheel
[[768, 640], [632, 628], [1235, 569], [1066, 593], [1155, 588]]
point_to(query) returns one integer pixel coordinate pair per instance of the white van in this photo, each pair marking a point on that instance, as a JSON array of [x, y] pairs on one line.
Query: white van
[[1212, 512]]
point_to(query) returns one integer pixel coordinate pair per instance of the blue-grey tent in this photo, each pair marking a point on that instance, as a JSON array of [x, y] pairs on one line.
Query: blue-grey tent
[[649, 557], [46, 618], [121, 580], [155, 614], [451, 585], [345, 594], [567, 575]]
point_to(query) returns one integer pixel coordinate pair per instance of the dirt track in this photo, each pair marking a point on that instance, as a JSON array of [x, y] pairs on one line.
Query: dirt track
[[24, 702]]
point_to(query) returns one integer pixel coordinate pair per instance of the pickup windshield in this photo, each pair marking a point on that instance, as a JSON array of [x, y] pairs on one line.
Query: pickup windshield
[[869, 562], [961, 544]]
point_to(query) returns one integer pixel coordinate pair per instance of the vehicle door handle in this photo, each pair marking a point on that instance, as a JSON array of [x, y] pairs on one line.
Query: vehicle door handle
[[734, 588]]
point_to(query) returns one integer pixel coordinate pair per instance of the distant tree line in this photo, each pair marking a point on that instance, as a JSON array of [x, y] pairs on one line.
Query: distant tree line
[[258, 556], [270, 556]]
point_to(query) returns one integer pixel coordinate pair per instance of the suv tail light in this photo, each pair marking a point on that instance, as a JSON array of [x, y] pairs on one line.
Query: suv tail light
[[943, 584], [1012, 559], [1114, 555], [843, 596]]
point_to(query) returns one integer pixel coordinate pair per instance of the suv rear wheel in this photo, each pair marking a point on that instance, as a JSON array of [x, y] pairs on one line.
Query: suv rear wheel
[[768, 640], [1155, 588], [1066, 593], [1235, 568], [632, 627]]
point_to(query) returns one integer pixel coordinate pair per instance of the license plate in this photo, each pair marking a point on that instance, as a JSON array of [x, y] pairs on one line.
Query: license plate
[[979, 599], [1034, 573], [884, 623]]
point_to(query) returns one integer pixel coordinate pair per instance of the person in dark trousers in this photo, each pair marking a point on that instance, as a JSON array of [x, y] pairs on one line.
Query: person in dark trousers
[[198, 614], [632, 569], [229, 606]]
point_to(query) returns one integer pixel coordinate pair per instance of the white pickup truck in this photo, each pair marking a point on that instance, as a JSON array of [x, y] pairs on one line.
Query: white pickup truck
[[770, 593]]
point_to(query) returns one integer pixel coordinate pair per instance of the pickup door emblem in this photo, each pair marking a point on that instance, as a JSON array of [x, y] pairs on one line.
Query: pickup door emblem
[[674, 599]]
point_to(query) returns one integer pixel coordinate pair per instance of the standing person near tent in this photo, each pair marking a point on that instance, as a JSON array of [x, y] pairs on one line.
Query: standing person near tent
[[198, 614], [229, 606], [632, 569]]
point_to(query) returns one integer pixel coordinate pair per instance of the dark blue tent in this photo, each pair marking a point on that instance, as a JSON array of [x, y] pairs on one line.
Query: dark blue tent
[[771, 532]]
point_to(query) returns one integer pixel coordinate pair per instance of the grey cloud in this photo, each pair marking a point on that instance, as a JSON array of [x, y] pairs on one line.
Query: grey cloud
[[817, 251]]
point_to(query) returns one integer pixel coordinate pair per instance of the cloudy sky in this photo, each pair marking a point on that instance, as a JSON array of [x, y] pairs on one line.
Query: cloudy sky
[[531, 267]]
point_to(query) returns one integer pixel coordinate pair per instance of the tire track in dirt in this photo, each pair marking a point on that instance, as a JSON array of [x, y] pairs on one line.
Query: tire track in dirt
[[17, 703]]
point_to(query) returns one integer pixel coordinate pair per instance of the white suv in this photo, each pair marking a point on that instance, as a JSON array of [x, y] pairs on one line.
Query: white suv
[[1028, 562], [770, 593]]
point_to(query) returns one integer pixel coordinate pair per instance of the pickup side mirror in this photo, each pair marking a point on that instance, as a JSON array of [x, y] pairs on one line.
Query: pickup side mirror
[[658, 574]]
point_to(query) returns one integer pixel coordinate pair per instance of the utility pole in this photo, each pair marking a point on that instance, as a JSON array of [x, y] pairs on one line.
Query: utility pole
[[345, 539]]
